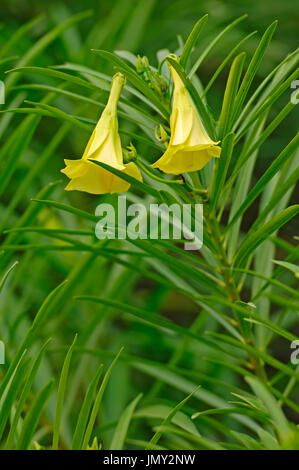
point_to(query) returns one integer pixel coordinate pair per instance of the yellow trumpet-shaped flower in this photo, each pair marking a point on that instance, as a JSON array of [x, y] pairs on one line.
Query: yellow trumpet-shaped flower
[[104, 146], [190, 148]]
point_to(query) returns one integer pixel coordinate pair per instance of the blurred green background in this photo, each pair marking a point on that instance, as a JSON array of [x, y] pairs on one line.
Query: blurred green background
[[143, 27], [162, 22]]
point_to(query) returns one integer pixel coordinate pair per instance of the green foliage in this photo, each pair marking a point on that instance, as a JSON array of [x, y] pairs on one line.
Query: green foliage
[[203, 337]]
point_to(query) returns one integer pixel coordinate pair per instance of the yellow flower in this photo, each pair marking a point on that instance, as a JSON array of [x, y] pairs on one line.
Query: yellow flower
[[190, 148], [104, 146]]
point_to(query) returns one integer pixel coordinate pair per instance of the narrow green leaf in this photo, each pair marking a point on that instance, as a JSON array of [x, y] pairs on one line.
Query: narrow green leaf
[[134, 78], [60, 395], [45, 40], [67, 208], [145, 188], [261, 108], [12, 389], [257, 353], [282, 158], [121, 430], [249, 442], [49, 72], [231, 89], [28, 216], [35, 170], [4, 278], [222, 168], [279, 419], [272, 81], [252, 241], [213, 44], [201, 442], [24, 395], [158, 434], [225, 61], [59, 114], [269, 441], [290, 266], [262, 138], [38, 321], [253, 67], [33, 416], [97, 403], [17, 35], [191, 40], [162, 411], [148, 316], [85, 410], [280, 191]]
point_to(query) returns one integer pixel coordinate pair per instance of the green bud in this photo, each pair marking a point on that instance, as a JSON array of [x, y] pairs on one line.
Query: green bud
[[161, 134], [130, 153]]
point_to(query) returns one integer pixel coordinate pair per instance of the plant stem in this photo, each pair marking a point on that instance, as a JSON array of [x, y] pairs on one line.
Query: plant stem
[[225, 269], [233, 293]]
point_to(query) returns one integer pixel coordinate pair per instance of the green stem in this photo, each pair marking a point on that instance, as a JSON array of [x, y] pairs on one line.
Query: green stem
[[231, 288]]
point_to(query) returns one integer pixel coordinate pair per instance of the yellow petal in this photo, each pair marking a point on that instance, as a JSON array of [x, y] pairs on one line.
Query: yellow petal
[[190, 147], [109, 152], [91, 178], [118, 185], [104, 146], [180, 120], [179, 159]]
